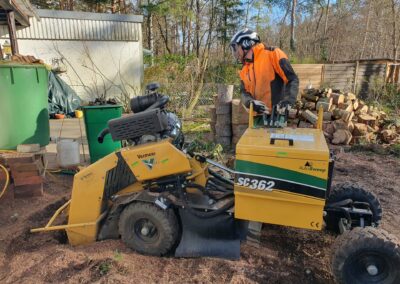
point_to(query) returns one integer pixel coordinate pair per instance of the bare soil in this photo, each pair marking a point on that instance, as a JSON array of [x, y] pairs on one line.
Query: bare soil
[[285, 255]]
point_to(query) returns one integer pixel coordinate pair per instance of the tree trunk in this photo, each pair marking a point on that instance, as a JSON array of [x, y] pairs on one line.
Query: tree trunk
[[150, 38], [366, 30], [394, 31], [197, 32], [292, 24]]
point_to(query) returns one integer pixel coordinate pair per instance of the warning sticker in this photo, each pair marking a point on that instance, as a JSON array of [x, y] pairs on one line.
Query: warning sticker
[[294, 137]]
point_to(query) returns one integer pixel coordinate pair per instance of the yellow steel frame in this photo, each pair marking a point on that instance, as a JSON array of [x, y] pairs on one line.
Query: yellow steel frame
[[49, 226]]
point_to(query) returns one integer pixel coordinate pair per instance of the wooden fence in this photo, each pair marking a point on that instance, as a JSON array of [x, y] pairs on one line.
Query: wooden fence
[[355, 77]]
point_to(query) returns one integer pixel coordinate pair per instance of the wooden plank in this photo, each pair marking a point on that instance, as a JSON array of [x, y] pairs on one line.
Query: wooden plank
[[307, 66], [338, 72], [340, 64], [12, 32]]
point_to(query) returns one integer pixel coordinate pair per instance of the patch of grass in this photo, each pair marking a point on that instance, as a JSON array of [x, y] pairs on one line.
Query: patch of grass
[[105, 267], [117, 255], [395, 150], [196, 127]]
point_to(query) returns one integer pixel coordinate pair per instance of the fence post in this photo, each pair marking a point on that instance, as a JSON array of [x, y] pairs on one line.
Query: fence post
[[322, 74], [355, 77]]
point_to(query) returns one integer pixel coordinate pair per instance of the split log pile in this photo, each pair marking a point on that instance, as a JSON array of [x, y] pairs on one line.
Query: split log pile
[[347, 119]]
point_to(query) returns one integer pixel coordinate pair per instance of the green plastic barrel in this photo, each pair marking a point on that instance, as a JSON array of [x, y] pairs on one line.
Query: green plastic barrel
[[24, 118], [96, 118]]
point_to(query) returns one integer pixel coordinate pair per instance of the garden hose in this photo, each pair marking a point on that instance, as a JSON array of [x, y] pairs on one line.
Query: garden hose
[[7, 180]]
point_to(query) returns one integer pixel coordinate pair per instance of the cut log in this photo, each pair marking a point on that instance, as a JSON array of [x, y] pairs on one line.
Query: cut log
[[383, 114], [341, 124], [310, 97], [309, 116], [337, 98], [328, 128], [388, 135], [325, 103], [350, 97], [360, 129], [367, 119], [362, 139], [342, 114], [355, 104], [292, 113], [328, 92], [348, 106], [341, 136], [309, 105], [362, 107], [304, 124], [327, 116]]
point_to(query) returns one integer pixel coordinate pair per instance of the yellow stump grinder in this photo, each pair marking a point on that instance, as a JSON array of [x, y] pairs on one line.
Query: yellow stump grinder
[[162, 200]]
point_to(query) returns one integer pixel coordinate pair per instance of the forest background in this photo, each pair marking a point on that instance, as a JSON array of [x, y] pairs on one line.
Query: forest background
[[189, 39]]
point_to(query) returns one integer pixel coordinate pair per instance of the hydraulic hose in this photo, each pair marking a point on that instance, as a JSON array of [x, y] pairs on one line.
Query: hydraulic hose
[[205, 215], [214, 186], [219, 177], [216, 181], [7, 180]]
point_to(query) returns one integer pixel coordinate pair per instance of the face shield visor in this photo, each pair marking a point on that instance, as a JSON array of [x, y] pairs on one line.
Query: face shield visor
[[235, 51]]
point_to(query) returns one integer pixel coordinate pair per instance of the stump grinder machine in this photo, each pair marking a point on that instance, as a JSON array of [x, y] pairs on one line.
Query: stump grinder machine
[[163, 200]]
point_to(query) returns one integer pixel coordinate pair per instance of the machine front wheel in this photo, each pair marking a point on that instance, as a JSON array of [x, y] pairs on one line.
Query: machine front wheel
[[366, 255], [148, 229]]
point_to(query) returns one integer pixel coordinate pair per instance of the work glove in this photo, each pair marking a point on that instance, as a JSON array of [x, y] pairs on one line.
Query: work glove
[[284, 104], [258, 106]]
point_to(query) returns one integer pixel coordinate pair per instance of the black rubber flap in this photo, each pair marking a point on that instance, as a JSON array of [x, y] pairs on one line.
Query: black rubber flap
[[218, 236]]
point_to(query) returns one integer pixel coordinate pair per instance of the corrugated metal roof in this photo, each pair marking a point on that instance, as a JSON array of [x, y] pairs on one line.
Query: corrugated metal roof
[[66, 25], [22, 9]]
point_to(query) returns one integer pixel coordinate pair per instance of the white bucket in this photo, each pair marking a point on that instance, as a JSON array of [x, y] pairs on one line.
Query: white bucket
[[68, 153]]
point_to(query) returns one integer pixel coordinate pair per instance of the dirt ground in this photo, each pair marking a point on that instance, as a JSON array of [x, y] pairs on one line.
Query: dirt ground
[[285, 255]]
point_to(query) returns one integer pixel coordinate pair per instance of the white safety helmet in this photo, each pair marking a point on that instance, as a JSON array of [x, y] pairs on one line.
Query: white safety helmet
[[245, 38]]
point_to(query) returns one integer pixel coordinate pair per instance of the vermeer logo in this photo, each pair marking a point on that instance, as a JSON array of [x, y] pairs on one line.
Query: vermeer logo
[[149, 163], [308, 166], [142, 156]]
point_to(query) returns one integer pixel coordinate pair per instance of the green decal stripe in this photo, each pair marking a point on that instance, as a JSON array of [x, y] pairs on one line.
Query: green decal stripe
[[285, 174]]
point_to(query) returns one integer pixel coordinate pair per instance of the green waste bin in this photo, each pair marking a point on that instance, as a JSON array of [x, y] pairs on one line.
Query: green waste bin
[[24, 118], [96, 118]]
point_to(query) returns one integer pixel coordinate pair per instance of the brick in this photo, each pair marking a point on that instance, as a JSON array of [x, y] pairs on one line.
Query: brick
[[28, 180], [23, 167], [26, 191], [18, 175], [8, 159], [28, 148]]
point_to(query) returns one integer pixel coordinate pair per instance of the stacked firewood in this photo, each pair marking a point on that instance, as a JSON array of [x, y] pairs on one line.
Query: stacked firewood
[[347, 119]]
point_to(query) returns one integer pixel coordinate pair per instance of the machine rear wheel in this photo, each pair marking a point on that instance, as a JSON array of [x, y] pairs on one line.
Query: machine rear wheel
[[148, 229], [366, 255], [356, 193]]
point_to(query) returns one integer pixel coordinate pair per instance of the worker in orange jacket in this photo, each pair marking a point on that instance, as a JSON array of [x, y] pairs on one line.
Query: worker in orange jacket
[[267, 78]]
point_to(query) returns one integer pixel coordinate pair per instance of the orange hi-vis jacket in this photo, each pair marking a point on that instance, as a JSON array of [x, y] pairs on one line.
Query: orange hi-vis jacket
[[269, 77]]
